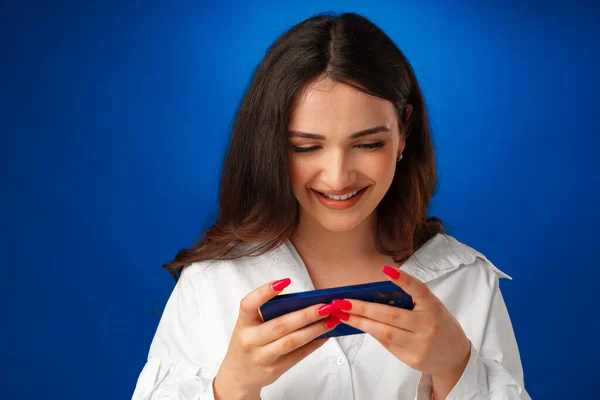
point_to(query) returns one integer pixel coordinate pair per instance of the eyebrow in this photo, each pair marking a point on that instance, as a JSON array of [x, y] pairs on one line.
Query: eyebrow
[[366, 132]]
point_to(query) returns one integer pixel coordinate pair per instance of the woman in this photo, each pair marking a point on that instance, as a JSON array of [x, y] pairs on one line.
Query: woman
[[326, 183]]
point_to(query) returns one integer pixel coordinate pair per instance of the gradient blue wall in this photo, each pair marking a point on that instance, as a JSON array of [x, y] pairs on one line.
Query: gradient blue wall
[[114, 119]]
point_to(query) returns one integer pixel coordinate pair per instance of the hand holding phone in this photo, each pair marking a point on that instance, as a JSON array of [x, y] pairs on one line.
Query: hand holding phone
[[258, 352], [384, 292]]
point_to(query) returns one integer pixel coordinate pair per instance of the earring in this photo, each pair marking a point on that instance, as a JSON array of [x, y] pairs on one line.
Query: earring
[[399, 158]]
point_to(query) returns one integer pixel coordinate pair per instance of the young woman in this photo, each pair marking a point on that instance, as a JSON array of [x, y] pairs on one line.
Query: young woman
[[326, 183]]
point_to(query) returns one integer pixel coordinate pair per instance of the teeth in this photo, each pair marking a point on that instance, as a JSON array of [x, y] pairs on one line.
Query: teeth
[[343, 197]]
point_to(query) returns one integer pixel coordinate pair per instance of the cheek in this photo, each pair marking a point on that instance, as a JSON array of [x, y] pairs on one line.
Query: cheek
[[299, 173], [379, 168]]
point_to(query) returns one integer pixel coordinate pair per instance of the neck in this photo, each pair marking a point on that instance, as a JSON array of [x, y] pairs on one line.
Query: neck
[[310, 238]]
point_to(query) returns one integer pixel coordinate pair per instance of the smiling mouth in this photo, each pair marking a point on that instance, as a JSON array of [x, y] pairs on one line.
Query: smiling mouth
[[342, 197]]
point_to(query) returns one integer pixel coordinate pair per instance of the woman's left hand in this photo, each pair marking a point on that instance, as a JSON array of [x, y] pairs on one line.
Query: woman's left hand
[[428, 338]]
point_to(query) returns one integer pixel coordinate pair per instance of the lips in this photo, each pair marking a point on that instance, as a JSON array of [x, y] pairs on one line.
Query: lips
[[340, 204], [347, 192]]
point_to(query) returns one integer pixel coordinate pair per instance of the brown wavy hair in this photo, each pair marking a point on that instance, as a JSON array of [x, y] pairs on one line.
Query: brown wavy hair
[[257, 208]]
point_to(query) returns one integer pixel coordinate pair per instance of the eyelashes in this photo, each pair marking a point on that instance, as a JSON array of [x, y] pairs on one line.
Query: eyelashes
[[371, 145], [366, 146], [303, 149]]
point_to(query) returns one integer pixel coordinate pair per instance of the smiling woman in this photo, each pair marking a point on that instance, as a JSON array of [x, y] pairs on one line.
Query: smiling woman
[[343, 170], [306, 97], [326, 183]]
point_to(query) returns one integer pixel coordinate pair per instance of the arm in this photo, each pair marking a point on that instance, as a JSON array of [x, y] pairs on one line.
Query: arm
[[173, 370], [494, 371]]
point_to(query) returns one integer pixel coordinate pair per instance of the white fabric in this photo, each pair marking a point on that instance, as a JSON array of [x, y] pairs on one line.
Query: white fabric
[[193, 334]]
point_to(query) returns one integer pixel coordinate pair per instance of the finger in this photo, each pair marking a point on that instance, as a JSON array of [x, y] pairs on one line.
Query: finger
[[287, 323], [398, 317], [420, 293], [251, 303], [272, 351], [382, 332]]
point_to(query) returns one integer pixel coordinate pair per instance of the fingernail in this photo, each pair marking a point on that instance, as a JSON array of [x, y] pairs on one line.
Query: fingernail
[[341, 315], [281, 284], [391, 272], [326, 309], [342, 304], [331, 322]]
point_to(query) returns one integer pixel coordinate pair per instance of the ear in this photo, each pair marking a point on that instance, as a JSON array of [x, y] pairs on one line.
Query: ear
[[409, 110], [401, 144]]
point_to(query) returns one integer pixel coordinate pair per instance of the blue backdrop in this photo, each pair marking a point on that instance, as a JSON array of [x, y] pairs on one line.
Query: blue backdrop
[[114, 121]]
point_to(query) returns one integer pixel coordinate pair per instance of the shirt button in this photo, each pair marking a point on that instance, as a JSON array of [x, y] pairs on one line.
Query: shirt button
[[341, 361]]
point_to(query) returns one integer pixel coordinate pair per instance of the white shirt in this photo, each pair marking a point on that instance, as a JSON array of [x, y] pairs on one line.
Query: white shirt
[[193, 334]]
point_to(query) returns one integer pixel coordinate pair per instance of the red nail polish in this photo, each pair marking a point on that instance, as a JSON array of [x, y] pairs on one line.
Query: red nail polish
[[342, 304], [326, 309], [341, 315], [331, 322], [391, 272], [281, 284]]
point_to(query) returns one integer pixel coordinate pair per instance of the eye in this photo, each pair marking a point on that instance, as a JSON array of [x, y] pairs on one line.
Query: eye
[[297, 149], [371, 145]]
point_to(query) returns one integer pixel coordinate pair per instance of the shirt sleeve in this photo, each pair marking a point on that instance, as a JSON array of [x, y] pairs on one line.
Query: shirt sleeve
[[494, 372], [174, 369]]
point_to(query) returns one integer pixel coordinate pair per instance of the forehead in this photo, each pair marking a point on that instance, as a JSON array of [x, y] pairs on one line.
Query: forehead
[[326, 105]]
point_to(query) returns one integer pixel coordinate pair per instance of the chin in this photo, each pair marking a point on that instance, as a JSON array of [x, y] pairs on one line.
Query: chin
[[340, 224]]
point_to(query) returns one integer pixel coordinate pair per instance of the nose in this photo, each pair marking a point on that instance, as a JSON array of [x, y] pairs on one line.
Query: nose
[[337, 173]]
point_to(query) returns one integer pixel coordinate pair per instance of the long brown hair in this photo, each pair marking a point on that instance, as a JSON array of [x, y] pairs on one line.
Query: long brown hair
[[257, 208]]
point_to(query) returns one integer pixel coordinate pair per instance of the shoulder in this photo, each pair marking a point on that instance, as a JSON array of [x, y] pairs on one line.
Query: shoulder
[[443, 255], [460, 276], [246, 264], [239, 275]]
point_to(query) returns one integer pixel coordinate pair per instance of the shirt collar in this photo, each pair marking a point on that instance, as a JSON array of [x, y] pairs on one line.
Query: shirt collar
[[442, 254], [438, 256]]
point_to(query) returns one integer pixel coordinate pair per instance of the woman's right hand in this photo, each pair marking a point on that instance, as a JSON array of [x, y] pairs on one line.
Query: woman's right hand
[[260, 352]]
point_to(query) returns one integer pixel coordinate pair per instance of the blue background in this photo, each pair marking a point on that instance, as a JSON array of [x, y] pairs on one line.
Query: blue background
[[114, 120]]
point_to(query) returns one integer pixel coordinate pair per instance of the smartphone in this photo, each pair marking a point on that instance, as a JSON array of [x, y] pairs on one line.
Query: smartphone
[[384, 292]]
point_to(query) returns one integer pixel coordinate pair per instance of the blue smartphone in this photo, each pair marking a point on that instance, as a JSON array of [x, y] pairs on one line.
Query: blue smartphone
[[384, 292]]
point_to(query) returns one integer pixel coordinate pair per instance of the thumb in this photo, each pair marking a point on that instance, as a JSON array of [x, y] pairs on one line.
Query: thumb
[[420, 293], [249, 306]]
